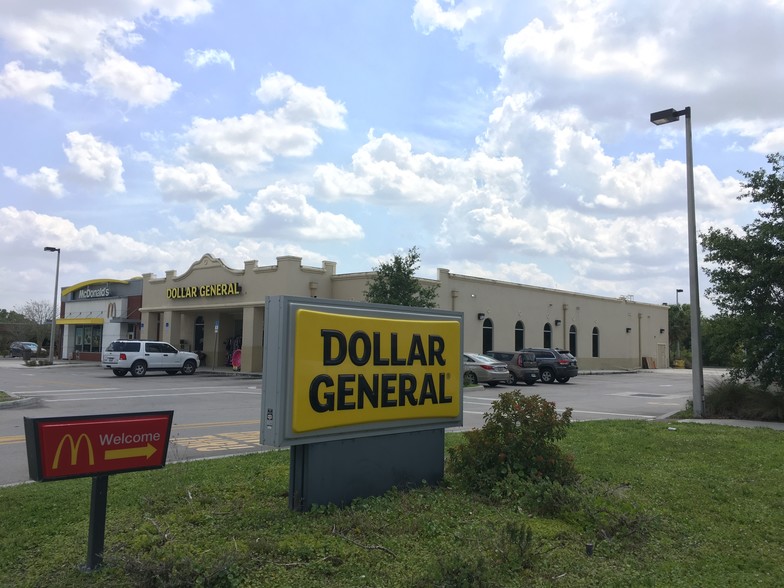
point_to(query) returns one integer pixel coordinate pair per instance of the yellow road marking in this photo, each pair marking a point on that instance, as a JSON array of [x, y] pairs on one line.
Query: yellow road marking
[[14, 439]]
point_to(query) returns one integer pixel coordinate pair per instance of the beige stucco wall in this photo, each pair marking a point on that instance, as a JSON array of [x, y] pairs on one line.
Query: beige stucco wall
[[503, 303]]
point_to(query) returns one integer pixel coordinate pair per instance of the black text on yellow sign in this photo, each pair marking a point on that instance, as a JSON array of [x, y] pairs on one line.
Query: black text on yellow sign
[[355, 370]]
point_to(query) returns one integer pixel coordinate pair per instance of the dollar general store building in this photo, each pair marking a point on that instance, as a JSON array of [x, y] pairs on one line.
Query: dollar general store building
[[215, 309]]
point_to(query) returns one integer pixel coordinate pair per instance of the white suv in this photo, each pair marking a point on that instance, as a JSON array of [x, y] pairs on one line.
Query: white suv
[[139, 357]]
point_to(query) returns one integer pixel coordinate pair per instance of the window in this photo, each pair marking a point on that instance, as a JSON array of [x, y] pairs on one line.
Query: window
[[548, 335], [487, 335], [88, 338], [595, 346], [573, 340], [519, 335]]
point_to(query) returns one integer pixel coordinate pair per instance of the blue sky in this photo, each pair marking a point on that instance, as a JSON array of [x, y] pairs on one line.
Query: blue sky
[[506, 140]]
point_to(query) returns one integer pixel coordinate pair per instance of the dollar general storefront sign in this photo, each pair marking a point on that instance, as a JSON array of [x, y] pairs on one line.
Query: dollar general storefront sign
[[205, 291], [356, 367]]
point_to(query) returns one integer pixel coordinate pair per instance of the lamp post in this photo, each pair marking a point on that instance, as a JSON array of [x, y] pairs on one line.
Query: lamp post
[[698, 392], [677, 291], [54, 304]]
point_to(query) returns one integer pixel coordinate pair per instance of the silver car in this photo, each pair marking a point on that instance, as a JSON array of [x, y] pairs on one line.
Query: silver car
[[480, 369]]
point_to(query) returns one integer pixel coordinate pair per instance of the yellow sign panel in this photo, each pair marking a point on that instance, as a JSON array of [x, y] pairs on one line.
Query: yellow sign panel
[[355, 370]]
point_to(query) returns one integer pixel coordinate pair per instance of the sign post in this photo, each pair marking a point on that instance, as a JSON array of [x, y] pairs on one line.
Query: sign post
[[59, 448]]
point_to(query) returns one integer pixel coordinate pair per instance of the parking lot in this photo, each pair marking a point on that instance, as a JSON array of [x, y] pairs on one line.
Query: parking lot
[[219, 415]]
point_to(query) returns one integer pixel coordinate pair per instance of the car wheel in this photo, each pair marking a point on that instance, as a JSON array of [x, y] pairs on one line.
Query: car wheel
[[139, 368], [564, 379], [511, 381], [189, 367], [470, 379], [171, 372], [119, 373], [547, 375]]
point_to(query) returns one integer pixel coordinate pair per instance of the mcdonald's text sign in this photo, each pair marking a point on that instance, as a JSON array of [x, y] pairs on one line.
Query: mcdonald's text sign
[[73, 447]]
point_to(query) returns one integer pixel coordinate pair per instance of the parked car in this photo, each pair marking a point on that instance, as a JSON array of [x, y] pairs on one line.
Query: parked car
[[554, 365], [139, 357], [23, 348], [521, 364], [481, 369]]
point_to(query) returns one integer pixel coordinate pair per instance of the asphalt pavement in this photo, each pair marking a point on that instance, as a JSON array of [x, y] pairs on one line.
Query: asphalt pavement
[[16, 363]]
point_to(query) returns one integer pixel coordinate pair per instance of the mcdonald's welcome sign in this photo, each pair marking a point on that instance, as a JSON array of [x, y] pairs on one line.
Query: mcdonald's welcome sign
[[72, 447]]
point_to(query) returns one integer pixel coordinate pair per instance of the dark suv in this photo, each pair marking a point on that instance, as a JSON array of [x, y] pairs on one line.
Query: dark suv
[[522, 365], [554, 364]]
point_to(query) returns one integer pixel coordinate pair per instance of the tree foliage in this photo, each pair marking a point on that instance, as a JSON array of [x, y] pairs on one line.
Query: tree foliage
[[394, 283], [747, 275]]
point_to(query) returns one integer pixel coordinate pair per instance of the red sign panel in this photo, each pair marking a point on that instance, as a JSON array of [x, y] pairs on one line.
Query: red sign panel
[[71, 447]]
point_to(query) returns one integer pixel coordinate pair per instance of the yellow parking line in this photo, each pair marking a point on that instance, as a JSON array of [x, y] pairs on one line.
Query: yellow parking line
[[221, 442], [12, 439]]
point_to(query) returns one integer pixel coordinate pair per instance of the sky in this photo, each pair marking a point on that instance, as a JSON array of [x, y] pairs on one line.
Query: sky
[[506, 140]]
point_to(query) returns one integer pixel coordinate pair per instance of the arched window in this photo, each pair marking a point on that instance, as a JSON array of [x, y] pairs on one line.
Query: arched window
[[548, 335], [487, 335], [595, 347], [573, 340], [519, 335]]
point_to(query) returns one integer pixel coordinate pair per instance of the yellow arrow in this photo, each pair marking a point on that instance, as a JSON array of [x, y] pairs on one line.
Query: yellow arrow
[[146, 451]]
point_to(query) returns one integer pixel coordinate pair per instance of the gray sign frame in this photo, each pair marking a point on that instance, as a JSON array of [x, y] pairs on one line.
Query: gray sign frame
[[278, 383]]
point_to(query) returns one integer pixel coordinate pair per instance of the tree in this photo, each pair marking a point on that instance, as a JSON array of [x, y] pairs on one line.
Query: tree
[[394, 283], [747, 276], [680, 329], [39, 313]]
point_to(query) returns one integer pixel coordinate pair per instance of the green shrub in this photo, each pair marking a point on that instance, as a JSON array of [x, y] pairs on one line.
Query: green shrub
[[519, 437], [729, 398]]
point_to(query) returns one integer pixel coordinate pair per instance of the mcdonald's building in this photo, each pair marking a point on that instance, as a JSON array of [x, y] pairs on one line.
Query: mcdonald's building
[[95, 312], [215, 310]]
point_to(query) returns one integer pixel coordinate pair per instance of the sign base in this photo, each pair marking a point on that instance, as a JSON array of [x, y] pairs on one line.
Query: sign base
[[337, 472]]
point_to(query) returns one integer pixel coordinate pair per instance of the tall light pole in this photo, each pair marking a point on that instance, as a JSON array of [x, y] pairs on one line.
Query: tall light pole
[[54, 304], [677, 291], [698, 390]]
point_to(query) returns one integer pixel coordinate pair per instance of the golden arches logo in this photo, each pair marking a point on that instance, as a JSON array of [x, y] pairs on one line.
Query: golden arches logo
[[74, 449], [111, 310]]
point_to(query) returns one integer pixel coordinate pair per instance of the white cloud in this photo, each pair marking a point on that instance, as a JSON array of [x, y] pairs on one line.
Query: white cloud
[[429, 15], [130, 82], [771, 142], [281, 209], [245, 143], [96, 160], [30, 85], [63, 33], [45, 179], [199, 58], [301, 104], [192, 182], [386, 170], [67, 31]]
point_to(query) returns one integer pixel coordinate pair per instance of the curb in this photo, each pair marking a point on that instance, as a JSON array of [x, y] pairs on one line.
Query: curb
[[19, 402]]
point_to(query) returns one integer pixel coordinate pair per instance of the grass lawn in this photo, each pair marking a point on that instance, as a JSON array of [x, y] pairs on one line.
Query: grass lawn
[[700, 505]]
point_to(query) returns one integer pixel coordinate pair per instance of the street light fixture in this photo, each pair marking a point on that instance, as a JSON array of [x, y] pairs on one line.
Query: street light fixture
[[54, 304], [698, 390], [677, 291]]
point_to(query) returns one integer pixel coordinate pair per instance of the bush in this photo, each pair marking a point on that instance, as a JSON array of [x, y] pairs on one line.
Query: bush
[[744, 400], [519, 437]]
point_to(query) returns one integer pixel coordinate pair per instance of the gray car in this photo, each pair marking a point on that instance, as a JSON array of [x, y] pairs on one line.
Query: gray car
[[481, 369], [521, 364], [554, 364]]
